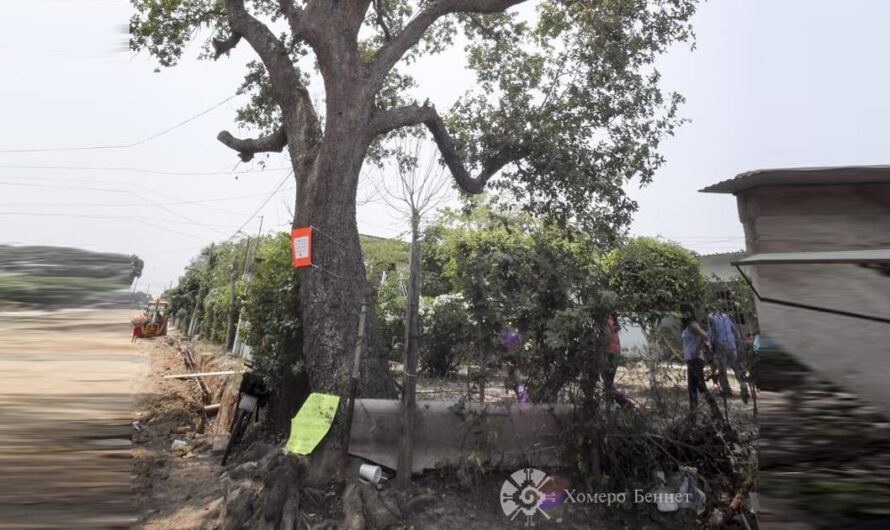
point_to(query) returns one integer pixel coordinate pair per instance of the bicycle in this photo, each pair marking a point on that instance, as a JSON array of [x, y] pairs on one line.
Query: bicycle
[[252, 396]]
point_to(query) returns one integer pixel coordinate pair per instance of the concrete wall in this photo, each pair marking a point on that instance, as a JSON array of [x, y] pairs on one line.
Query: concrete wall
[[851, 352], [719, 265]]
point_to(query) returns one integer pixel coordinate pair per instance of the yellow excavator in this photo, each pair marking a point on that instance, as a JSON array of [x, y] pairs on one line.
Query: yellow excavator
[[156, 318]]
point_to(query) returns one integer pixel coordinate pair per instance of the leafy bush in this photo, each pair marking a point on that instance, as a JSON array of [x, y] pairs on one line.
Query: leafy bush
[[386, 262], [212, 284], [389, 306], [531, 277], [446, 336], [272, 311], [652, 278]]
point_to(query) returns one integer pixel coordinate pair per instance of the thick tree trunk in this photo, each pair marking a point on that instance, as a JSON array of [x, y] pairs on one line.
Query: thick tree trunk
[[333, 289]]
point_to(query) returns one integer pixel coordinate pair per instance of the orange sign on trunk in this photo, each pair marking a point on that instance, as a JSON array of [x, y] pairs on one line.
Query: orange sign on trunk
[[301, 246]]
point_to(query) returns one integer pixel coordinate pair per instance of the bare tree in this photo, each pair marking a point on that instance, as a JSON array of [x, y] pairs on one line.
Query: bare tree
[[418, 191]]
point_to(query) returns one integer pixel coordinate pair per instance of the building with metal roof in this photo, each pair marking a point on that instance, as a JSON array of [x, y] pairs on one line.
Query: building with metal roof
[[818, 257], [805, 176]]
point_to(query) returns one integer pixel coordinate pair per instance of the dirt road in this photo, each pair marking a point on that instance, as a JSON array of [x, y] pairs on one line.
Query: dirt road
[[175, 488], [65, 414]]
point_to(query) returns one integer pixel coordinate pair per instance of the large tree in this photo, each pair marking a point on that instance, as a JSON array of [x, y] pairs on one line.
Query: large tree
[[566, 108]]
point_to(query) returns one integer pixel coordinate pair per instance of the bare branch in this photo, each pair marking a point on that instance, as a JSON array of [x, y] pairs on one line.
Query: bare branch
[[247, 147], [222, 47], [391, 119], [417, 189], [426, 114], [390, 54]]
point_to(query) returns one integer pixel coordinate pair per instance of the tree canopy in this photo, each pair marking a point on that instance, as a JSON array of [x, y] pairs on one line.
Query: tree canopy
[[566, 105]]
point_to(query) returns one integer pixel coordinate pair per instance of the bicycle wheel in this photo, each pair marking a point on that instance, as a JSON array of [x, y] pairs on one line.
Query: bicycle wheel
[[240, 424]]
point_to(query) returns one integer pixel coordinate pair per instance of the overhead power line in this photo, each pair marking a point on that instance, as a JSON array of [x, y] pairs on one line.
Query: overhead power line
[[261, 206], [88, 216], [177, 201], [129, 192], [104, 216], [131, 204], [120, 146], [147, 171]]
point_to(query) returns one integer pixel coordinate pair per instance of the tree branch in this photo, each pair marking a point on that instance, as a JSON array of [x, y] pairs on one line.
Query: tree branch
[[271, 51], [222, 47], [485, 30], [298, 112], [390, 54], [407, 116], [247, 147], [293, 14], [381, 20]]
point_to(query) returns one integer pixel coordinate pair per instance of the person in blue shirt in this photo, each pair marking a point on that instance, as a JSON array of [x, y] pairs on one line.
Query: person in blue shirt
[[695, 345], [725, 338]]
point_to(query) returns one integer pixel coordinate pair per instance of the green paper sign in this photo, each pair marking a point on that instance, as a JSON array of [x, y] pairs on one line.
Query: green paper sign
[[312, 423]]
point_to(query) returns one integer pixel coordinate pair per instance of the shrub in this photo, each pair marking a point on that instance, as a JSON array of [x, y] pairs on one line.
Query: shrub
[[446, 336], [652, 278], [272, 309]]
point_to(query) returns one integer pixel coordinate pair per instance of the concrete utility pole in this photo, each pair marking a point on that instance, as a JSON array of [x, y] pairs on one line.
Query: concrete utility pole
[[238, 344], [196, 313], [233, 303]]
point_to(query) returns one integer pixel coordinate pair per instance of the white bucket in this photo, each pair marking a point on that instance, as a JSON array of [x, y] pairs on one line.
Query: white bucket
[[370, 473]]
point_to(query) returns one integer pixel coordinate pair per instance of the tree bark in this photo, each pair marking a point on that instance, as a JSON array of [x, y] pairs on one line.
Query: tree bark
[[332, 290], [409, 400]]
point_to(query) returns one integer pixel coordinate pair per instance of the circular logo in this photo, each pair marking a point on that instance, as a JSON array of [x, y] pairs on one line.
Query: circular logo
[[522, 494]]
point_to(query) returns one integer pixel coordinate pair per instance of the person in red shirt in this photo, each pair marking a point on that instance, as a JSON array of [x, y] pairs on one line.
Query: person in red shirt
[[613, 351]]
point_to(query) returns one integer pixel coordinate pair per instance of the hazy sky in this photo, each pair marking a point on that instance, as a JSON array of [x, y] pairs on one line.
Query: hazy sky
[[771, 83]]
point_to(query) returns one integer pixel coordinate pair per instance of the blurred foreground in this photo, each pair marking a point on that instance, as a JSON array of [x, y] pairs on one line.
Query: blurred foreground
[[65, 418]]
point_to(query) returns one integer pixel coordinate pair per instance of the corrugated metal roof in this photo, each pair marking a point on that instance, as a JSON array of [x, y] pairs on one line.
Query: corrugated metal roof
[[722, 254], [836, 257], [802, 176]]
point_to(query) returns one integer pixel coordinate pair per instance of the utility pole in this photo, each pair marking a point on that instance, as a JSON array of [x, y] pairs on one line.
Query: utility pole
[[196, 313], [259, 235], [236, 340], [237, 345], [233, 302], [246, 254]]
